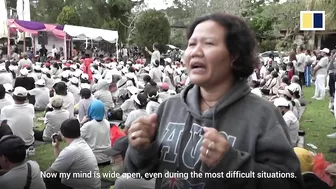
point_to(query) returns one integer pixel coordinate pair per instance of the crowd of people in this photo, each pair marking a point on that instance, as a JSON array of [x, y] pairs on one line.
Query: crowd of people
[[206, 113]]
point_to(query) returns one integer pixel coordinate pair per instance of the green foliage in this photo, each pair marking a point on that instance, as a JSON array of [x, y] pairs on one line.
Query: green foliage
[[68, 16], [267, 45], [152, 26]]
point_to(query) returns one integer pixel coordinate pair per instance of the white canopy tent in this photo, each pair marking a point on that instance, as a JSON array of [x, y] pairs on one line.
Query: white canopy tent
[[93, 34]]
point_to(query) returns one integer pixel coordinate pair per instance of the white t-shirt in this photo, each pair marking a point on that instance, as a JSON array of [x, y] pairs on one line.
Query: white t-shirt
[[323, 64], [23, 124], [53, 122], [25, 63], [152, 107], [78, 158], [75, 91], [134, 115], [6, 77], [53, 52], [41, 97], [300, 64], [127, 107], [97, 136], [155, 74], [155, 56], [11, 180], [293, 126], [8, 100], [68, 103]]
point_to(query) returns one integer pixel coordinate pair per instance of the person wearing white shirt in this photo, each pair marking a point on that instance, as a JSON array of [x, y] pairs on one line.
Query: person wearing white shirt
[[320, 70], [153, 103], [20, 116], [96, 132], [5, 77], [154, 55], [41, 94], [155, 73], [74, 89], [25, 62], [5, 99], [290, 119], [300, 64], [53, 120], [54, 51], [68, 98], [295, 86]]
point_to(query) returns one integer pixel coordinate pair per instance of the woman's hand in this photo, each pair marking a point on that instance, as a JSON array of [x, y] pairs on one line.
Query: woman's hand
[[214, 147], [142, 132]]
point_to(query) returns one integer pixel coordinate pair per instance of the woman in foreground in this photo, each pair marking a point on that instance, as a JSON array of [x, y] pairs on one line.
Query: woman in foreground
[[216, 125]]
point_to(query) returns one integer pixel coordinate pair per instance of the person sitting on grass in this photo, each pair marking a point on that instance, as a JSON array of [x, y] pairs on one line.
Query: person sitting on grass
[[53, 120], [5, 129], [41, 94], [61, 90], [4, 101], [140, 103], [117, 152], [77, 157], [290, 119], [153, 104], [96, 132], [18, 172], [84, 103], [20, 116]]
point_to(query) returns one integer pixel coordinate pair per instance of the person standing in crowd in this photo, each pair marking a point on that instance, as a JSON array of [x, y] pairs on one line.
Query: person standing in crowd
[[19, 173], [23, 124], [320, 72], [332, 78], [193, 131], [300, 64], [155, 55], [43, 53], [77, 157], [86, 66], [54, 51], [308, 68]]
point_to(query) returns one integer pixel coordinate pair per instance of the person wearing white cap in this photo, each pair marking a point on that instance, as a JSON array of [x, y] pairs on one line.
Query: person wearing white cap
[[20, 116], [74, 88], [103, 94], [140, 103], [290, 119], [320, 72], [5, 77], [41, 93]]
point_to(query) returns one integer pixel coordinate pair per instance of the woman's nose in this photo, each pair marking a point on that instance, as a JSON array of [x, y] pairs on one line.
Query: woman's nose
[[197, 51]]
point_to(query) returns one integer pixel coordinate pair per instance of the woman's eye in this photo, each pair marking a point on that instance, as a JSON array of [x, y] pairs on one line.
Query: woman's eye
[[192, 44], [209, 43]]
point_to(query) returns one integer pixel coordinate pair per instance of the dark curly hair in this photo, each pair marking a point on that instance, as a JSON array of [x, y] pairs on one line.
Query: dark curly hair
[[239, 39]]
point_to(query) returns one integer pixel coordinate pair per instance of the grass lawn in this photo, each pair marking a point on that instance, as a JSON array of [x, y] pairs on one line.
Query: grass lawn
[[317, 122]]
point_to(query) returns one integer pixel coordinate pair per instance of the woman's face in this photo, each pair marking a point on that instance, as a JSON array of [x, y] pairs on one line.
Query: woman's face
[[207, 58]]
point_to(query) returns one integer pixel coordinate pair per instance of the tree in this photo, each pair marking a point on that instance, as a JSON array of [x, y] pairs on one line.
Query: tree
[[152, 26], [47, 10], [68, 16], [330, 10]]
